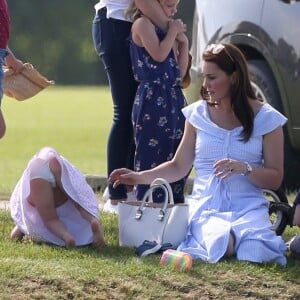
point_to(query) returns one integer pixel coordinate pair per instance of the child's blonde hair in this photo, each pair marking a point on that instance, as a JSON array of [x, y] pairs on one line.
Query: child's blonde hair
[[134, 13]]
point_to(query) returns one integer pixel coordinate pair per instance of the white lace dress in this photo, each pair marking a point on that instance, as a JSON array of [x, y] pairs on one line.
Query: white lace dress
[[28, 219], [219, 207]]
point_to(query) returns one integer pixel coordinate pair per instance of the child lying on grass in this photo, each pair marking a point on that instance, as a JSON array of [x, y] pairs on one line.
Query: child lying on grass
[[53, 203]]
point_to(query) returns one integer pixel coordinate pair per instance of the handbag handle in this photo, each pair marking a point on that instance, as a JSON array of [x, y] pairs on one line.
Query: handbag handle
[[157, 183]]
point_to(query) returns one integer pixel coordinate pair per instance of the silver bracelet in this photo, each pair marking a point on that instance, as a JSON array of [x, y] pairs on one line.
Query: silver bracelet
[[249, 169]]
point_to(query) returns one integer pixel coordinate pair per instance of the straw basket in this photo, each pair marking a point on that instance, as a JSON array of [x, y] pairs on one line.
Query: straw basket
[[25, 84]]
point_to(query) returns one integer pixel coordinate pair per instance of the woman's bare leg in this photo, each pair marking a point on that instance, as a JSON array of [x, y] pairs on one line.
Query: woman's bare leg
[[230, 248]]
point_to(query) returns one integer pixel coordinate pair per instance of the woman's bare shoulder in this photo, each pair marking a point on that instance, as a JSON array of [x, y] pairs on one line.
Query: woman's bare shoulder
[[256, 105]]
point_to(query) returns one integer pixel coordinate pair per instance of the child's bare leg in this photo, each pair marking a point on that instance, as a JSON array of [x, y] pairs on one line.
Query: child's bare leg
[[42, 197], [98, 236], [16, 234]]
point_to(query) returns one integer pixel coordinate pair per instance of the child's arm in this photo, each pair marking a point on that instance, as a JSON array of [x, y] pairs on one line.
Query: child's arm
[[183, 54], [153, 10], [144, 35]]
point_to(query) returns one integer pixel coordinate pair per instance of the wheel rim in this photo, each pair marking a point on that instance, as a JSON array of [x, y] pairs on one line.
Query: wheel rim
[[258, 92], [275, 218], [276, 221]]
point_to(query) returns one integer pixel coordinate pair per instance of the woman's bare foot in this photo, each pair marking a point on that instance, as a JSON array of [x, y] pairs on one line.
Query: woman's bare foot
[[16, 234], [98, 237]]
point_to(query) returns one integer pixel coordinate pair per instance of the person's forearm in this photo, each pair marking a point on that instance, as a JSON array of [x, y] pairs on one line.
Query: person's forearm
[[183, 58], [165, 46], [169, 170], [153, 10], [10, 54], [12, 62]]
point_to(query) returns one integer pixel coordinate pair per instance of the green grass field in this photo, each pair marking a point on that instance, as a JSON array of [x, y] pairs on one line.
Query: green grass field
[[74, 120], [33, 271]]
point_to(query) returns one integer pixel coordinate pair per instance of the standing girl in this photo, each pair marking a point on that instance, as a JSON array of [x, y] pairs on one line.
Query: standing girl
[[159, 61]]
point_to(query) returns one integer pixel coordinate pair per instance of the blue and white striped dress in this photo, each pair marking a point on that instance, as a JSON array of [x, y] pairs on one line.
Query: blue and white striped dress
[[221, 206]]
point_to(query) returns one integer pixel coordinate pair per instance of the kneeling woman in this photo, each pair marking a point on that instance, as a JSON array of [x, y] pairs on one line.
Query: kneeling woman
[[53, 203]]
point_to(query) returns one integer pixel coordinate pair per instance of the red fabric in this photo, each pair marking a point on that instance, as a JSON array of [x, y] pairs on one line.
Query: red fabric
[[4, 24]]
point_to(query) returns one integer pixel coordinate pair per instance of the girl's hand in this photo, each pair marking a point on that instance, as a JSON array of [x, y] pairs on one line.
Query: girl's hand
[[177, 26]]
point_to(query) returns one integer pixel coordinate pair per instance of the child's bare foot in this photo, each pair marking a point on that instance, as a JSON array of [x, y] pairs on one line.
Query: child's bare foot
[[70, 242], [16, 234], [98, 238]]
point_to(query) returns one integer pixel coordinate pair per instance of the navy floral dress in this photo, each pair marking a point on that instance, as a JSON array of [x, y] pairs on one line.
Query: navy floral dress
[[157, 118]]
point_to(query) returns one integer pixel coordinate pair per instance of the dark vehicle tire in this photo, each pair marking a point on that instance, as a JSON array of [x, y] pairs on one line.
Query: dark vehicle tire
[[264, 83], [266, 89], [278, 209]]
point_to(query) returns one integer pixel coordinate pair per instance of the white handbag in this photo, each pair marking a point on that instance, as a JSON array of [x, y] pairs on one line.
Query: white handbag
[[145, 220]]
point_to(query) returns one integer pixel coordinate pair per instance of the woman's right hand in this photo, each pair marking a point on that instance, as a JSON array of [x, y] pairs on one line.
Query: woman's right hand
[[123, 176]]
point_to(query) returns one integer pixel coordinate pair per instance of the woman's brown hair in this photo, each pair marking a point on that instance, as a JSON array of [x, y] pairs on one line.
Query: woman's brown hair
[[230, 59]]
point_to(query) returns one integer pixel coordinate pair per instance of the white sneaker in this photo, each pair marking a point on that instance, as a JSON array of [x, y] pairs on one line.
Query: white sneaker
[[109, 208], [105, 195], [293, 246], [130, 195]]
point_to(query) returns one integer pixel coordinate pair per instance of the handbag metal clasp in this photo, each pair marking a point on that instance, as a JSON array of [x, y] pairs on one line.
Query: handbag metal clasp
[[138, 214], [161, 215]]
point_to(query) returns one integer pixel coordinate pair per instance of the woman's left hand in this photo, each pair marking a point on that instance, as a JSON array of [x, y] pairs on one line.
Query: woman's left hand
[[226, 167]]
